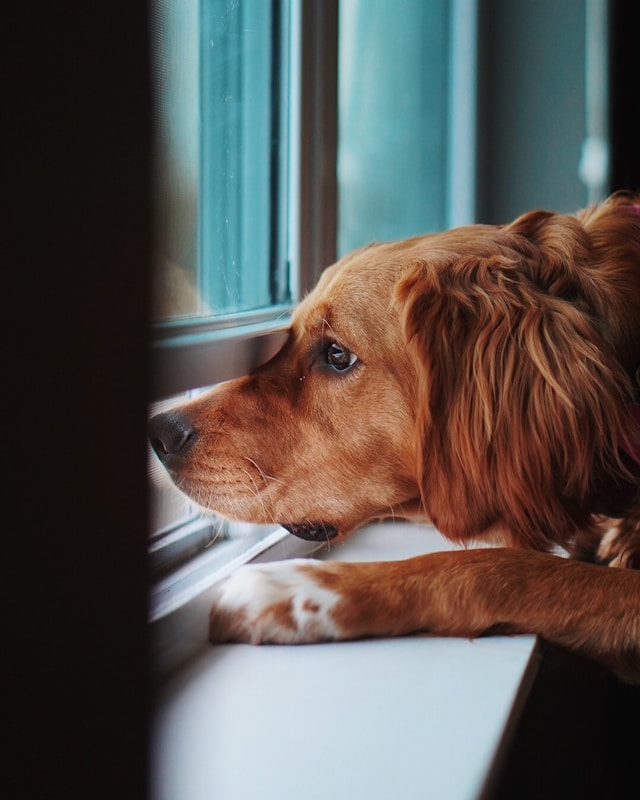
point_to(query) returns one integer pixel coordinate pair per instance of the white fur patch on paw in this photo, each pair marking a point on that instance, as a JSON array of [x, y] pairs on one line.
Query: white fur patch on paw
[[276, 602]]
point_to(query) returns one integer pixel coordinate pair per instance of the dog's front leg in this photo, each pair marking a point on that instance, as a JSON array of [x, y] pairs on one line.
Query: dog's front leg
[[304, 600], [590, 609]]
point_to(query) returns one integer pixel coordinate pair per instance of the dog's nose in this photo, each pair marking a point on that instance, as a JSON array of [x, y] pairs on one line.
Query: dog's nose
[[171, 434]]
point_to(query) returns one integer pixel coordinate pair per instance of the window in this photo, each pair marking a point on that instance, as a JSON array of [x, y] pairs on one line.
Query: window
[[393, 178], [291, 132], [258, 188], [222, 116], [224, 218], [240, 160]]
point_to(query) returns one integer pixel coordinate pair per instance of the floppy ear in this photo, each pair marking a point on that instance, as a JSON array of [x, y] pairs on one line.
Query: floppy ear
[[517, 402]]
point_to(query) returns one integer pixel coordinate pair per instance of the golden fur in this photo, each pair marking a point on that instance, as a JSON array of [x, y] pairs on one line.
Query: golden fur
[[490, 392]]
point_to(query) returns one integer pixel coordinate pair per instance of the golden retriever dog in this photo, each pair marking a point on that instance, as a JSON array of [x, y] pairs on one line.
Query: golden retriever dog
[[484, 379]]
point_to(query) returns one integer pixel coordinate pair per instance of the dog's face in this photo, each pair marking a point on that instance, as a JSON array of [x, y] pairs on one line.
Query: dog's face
[[321, 438], [474, 377]]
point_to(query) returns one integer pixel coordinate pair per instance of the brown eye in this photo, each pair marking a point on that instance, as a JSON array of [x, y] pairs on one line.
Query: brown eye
[[339, 358]]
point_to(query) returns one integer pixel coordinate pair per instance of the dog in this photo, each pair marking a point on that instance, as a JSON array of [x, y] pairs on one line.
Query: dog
[[484, 379]]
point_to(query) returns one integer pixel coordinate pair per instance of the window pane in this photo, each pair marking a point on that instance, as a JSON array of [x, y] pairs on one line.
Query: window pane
[[220, 69], [393, 111], [176, 69]]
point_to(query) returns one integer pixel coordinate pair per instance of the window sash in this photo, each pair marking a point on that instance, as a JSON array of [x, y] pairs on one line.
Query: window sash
[[188, 355]]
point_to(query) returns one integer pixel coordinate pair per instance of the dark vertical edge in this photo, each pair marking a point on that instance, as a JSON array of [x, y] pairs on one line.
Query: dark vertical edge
[[76, 244], [624, 91], [319, 139], [279, 162]]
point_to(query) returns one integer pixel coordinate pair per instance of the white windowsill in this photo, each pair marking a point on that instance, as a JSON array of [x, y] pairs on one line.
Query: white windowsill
[[402, 718]]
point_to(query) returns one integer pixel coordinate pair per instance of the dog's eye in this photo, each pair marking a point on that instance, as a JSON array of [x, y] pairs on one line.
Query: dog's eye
[[338, 357]]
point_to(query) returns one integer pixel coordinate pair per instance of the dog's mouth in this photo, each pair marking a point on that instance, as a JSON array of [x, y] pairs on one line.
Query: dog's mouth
[[312, 531]]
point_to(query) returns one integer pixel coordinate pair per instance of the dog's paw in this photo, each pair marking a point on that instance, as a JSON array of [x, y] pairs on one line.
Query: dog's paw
[[279, 602]]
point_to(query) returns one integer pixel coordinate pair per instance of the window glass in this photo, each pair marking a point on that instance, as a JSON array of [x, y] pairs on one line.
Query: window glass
[[393, 119], [220, 71], [226, 204]]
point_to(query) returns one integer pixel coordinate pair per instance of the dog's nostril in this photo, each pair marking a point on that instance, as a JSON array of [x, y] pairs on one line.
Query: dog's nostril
[[170, 433]]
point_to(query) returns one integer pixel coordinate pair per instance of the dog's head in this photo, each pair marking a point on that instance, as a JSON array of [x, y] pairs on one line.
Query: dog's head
[[472, 377], [320, 438]]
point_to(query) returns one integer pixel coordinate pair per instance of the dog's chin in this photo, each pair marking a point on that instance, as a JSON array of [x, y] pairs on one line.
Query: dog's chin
[[312, 531]]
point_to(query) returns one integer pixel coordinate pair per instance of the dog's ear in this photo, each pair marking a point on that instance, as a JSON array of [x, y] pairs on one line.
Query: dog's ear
[[516, 401]]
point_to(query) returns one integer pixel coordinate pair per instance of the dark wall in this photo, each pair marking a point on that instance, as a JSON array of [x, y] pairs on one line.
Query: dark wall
[[624, 95], [575, 737], [75, 250]]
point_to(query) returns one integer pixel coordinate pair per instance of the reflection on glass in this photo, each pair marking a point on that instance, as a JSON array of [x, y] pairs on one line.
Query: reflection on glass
[[219, 70], [393, 112]]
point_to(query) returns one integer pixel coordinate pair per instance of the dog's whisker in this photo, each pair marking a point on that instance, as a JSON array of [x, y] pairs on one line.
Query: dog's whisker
[[217, 534], [398, 512], [263, 474], [326, 324], [257, 494]]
